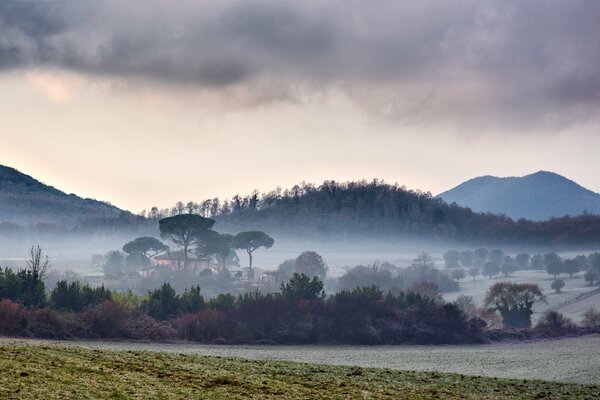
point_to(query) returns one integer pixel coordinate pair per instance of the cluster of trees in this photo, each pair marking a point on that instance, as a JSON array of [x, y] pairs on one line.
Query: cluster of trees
[[383, 210], [190, 233], [26, 286], [494, 262], [391, 278], [483, 261], [192, 230], [555, 266]]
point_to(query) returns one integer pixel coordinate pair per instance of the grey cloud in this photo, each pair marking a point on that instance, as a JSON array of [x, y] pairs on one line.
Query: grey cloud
[[530, 58]]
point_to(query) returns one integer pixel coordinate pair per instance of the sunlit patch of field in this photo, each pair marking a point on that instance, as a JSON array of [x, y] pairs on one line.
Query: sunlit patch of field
[[45, 371]]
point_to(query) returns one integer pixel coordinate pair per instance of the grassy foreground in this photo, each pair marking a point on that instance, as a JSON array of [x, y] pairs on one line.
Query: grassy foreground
[[41, 371]]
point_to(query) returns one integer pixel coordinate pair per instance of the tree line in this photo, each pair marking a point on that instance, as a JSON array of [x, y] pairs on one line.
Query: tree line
[[357, 209], [493, 262]]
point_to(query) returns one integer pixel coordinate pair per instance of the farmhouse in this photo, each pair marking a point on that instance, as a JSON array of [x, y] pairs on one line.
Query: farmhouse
[[174, 260]]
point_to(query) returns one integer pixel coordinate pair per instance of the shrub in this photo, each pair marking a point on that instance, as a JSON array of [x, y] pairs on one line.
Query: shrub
[[11, 318], [466, 304], [108, 319], [557, 285], [427, 289], [591, 318], [555, 323], [144, 327], [204, 326], [46, 323], [591, 276]]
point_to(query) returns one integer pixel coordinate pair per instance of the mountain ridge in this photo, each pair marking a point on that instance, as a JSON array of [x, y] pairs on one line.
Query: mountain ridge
[[538, 196]]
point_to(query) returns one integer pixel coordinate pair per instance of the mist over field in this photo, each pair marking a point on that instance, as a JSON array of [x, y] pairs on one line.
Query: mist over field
[[402, 196]]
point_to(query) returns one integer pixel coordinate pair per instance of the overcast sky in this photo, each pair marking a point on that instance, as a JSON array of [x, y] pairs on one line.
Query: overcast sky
[[149, 102]]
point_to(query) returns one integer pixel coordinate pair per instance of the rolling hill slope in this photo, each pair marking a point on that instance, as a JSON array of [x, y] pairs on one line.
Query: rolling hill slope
[[25, 200]]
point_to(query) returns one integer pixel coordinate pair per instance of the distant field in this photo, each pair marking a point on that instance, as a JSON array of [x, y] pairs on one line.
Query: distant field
[[42, 371], [573, 300]]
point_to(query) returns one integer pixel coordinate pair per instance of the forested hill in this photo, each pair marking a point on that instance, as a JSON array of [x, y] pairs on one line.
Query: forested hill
[[537, 196], [25, 201], [378, 210]]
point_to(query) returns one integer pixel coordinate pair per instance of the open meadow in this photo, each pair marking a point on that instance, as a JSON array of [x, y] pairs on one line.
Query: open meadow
[[37, 370], [574, 360]]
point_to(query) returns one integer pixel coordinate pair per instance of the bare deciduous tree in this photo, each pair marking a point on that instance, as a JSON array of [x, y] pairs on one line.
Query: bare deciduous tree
[[38, 262]]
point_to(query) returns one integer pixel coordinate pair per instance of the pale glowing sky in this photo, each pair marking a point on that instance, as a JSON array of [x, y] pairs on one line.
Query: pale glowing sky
[[144, 106]]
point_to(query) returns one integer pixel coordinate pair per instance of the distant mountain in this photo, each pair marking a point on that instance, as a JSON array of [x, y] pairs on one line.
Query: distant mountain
[[537, 197], [25, 200]]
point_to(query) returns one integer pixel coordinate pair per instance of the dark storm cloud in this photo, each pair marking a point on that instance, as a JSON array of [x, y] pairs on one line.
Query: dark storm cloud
[[525, 59]]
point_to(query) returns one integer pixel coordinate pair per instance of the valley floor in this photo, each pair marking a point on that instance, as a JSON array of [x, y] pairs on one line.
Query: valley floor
[[38, 370]]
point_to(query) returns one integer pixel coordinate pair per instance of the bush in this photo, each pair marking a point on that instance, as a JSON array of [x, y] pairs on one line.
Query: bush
[[12, 318], [591, 276], [555, 323], [205, 326], [108, 319], [47, 323], [557, 285], [428, 290], [591, 318], [144, 327], [466, 304]]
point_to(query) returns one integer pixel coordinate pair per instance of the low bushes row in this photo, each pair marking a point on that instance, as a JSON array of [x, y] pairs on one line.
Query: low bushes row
[[360, 316]]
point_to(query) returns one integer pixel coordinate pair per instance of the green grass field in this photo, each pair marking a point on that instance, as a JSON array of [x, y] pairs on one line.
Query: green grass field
[[30, 370]]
